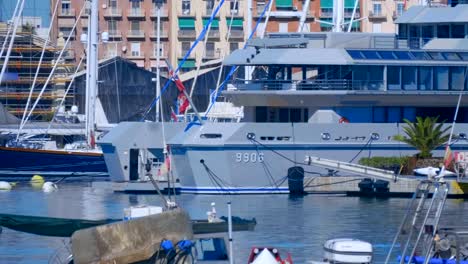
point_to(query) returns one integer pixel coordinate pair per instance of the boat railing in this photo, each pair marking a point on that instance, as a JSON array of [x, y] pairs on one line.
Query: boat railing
[[316, 84]]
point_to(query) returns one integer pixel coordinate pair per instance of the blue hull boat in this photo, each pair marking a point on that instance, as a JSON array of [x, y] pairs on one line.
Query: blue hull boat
[[28, 162]]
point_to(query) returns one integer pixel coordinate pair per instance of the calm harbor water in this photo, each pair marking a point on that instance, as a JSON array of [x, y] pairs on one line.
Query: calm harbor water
[[295, 225]]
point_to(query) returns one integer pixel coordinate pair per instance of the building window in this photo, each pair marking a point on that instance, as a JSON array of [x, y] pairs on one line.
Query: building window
[[185, 7], [112, 26], [377, 10], [135, 27], [161, 50], [210, 49], [234, 7], [66, 7], [209, 6], [260, 6], [111, 50], [233, 46], [112, 3], [400, 8], [376, 27], [283, 27], [135, 49], [135, 4], [161, 3], [185, 47], [161, 27]]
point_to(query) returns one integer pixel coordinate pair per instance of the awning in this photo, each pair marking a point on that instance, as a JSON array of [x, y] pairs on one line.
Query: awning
[[329, 4], [190, 63], [187, 23], [326, 3], [284, 3], [214, 23], [236, 22]]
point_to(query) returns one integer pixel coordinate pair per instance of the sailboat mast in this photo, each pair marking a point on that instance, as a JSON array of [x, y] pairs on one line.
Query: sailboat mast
[[338, 17], [92, 71], [158, 57]]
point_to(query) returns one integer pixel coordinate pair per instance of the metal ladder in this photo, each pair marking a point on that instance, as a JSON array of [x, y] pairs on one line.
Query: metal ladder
[[422, 220]]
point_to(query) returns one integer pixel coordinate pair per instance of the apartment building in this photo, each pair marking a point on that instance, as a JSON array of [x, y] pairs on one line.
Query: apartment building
[[381, 14], [131, 25], [192, 16], [285, 16]]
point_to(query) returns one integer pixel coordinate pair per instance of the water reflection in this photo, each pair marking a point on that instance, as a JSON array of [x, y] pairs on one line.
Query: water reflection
[[299, 225]]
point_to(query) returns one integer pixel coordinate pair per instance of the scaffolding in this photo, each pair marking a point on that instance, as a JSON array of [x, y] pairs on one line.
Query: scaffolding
[[22, 65]]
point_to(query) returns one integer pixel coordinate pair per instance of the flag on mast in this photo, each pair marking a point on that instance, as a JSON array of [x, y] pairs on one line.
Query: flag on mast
[[182, 100], [448, 158]]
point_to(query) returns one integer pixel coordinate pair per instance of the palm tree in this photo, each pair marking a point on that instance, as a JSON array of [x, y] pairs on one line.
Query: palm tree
[[425, 135]]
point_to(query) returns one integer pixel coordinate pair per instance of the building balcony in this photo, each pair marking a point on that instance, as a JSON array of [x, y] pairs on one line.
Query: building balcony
[[67, 32], [164, 12], [182, 53], [135, 34], [69, 12], [113, 12], [326, 14], [235, 13], [136, 13], [357, 15], [211, 55], [162, 56], [237, 35], [377, 15], [68, 22], [115, 34], [395, 15], [162, 34], [187, 34], [213, 34], [84, 22], [136, 55], [86, 12], [208, 12], [186, 13]]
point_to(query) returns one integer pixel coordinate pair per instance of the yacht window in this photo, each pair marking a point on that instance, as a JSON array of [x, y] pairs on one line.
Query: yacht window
[[356, 54], [267, 138], [451, 56], [211, 136], [283, 138], [464, 55], [436, 55], [371, 55], [387, 55], [402, 55], [420, 55]]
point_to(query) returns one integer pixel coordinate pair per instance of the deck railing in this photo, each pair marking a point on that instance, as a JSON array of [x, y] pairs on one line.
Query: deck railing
[[320, 84]]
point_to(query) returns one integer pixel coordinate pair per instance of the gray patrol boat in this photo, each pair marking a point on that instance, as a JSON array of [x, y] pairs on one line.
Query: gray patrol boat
[[341, 96]]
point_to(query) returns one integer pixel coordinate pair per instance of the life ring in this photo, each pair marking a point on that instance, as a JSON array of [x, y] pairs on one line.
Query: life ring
[[343, 120]]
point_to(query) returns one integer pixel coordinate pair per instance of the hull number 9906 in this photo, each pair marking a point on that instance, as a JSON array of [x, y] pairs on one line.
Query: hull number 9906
[[249, 157]]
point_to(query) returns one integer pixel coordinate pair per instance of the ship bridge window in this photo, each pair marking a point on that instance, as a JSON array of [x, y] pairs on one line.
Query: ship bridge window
[[463, 55], [267, 138], [419, 55], [387, 55], [283, 138], [436, 55], [451, 56], [356, 54], [403, 55], [211, 135], [371, 55]]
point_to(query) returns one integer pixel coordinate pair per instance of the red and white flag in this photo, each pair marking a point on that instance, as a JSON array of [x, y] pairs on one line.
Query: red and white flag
[[182, 100]]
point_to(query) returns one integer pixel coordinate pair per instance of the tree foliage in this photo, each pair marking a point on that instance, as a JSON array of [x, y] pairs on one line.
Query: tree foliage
[[425, 135]]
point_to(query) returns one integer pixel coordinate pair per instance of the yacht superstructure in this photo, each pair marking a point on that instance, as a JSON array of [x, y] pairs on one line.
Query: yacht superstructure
[[340, 96]]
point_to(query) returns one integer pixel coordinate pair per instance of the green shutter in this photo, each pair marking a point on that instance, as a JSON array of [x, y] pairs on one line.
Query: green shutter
[[187, 23], [214, 23], [326, 3], [349, 4], [284, 3], [236, 22], [188, 63]]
